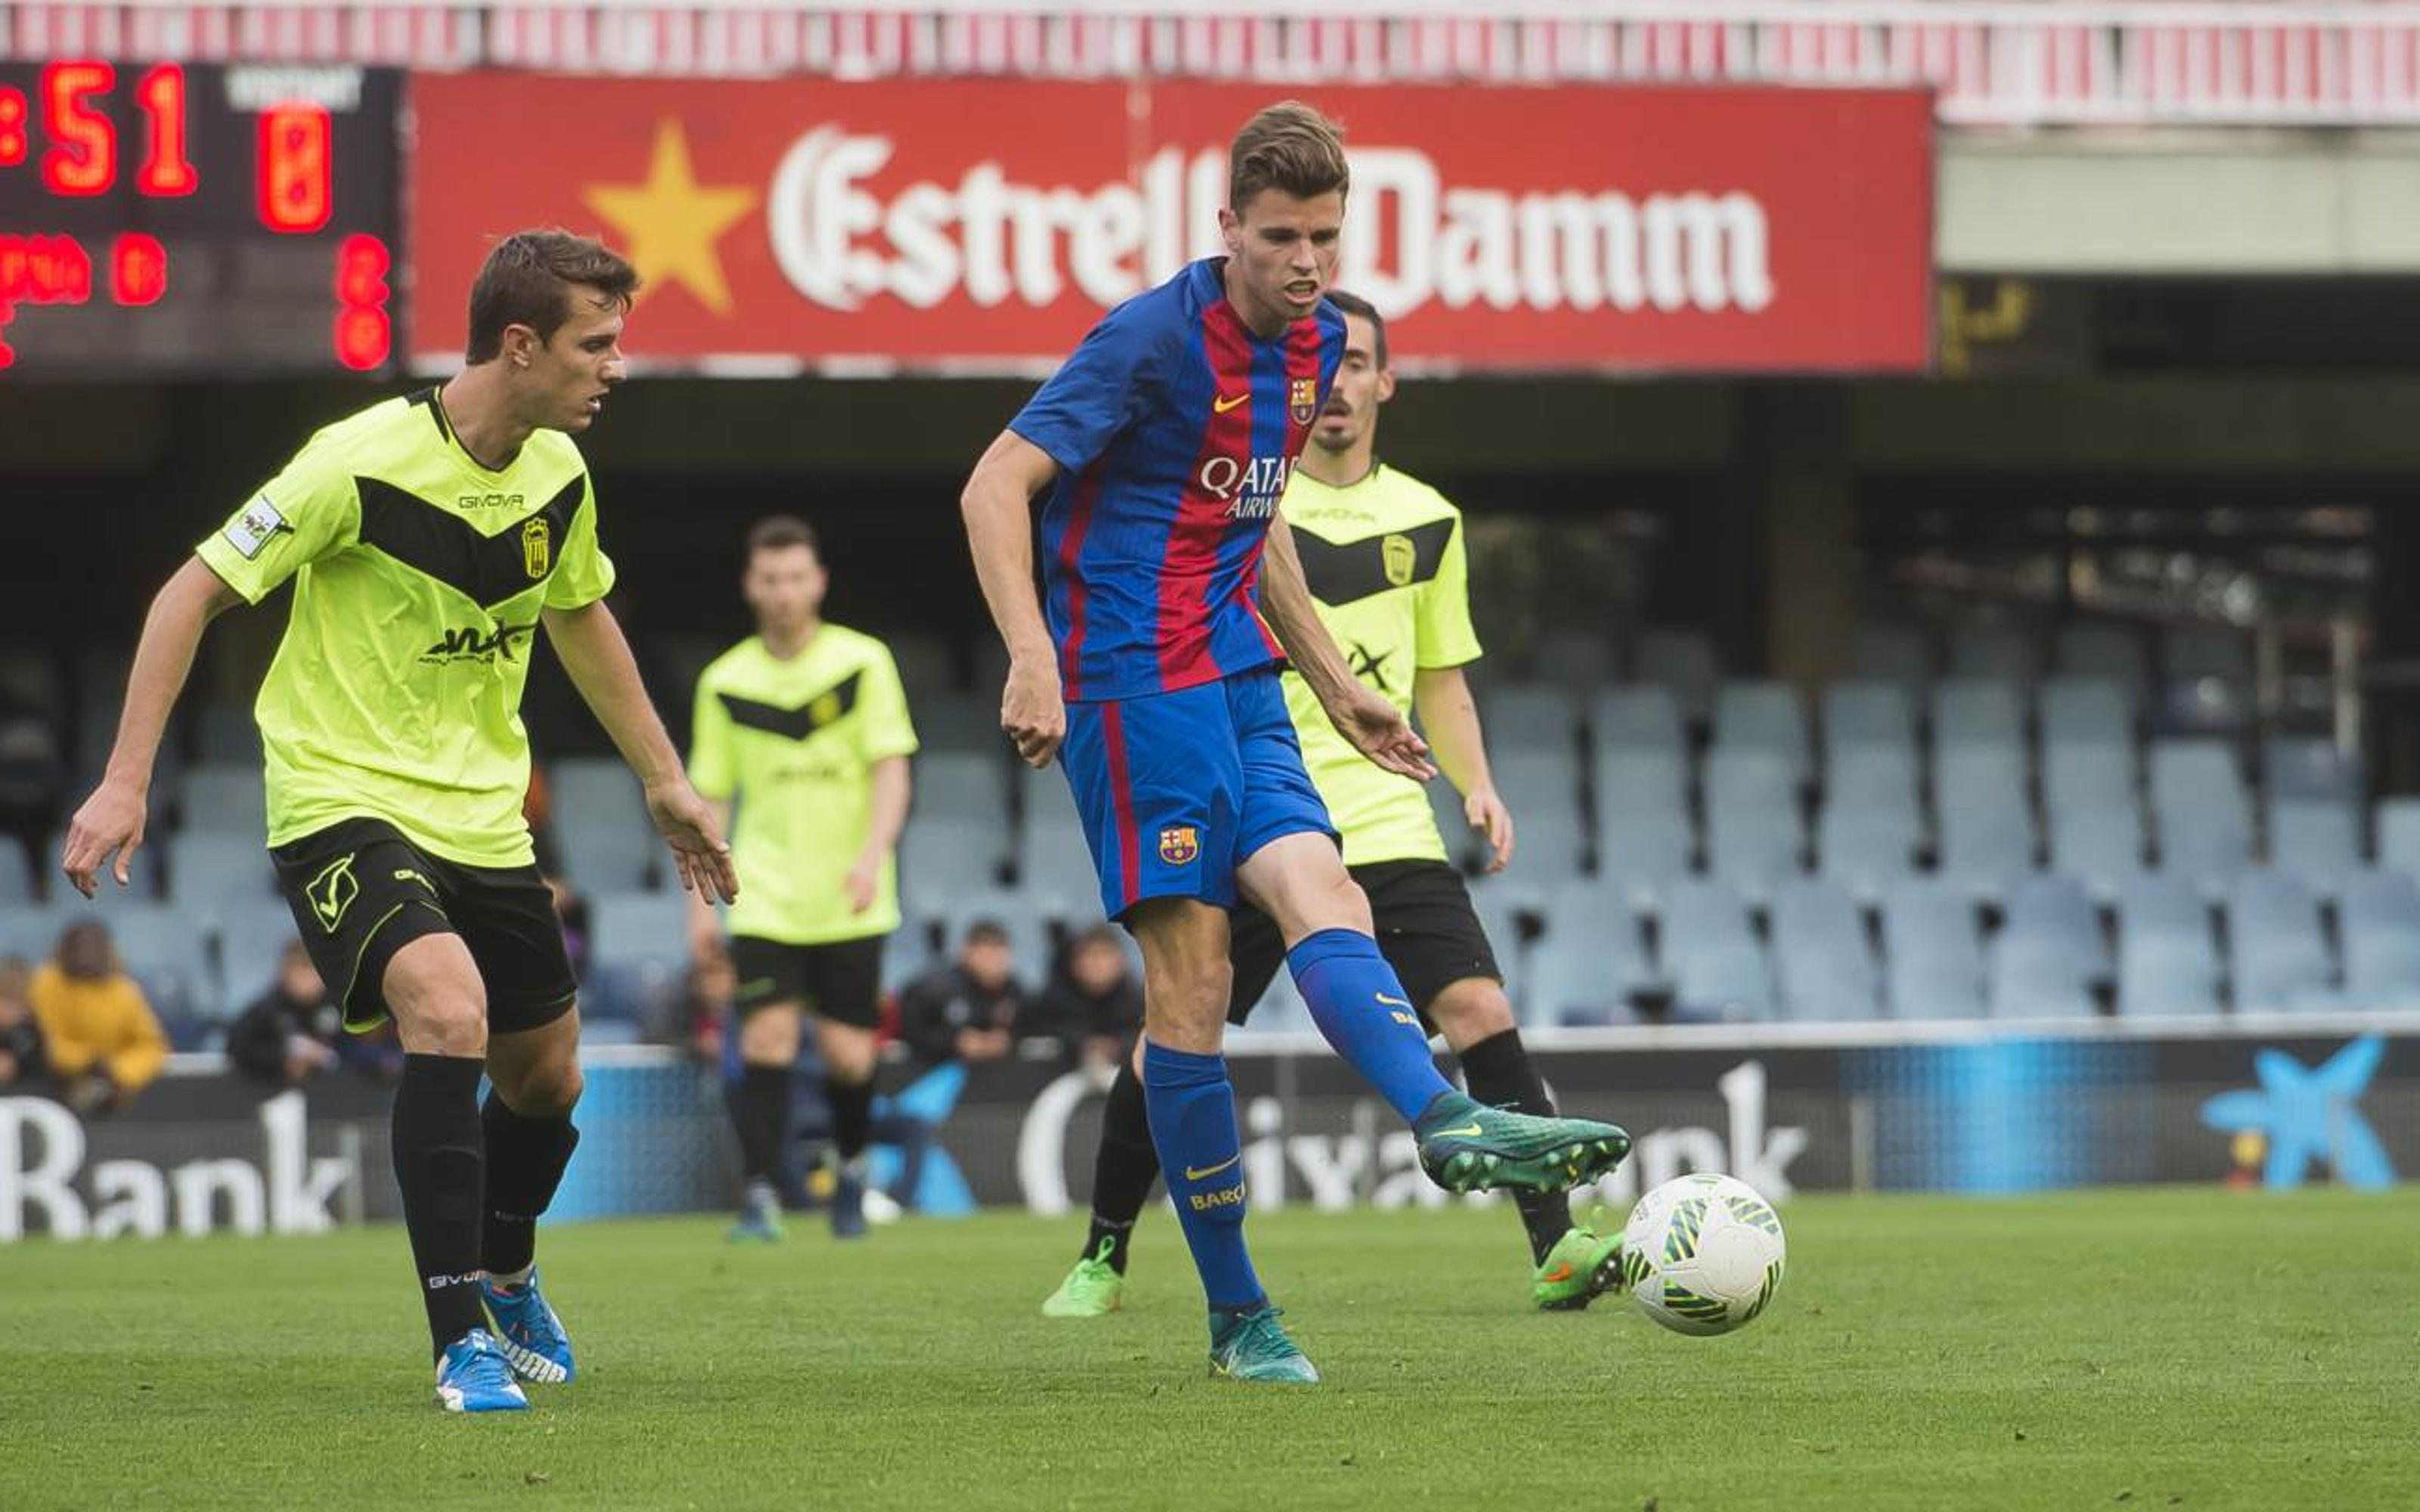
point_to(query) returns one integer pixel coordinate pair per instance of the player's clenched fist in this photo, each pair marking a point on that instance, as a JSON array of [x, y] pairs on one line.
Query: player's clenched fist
[[1031, 712]]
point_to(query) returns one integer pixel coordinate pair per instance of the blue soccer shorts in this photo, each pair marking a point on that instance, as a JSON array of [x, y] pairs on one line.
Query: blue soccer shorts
[[1177, 789]]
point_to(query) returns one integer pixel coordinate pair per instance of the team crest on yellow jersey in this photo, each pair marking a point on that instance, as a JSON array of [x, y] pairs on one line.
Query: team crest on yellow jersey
[[825, 709], [1302, 397], [1399, 556], [537, 547], [1179, 844]]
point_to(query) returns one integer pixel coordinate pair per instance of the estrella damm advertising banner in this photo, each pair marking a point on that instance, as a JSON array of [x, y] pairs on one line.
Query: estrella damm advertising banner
[[973, 225]]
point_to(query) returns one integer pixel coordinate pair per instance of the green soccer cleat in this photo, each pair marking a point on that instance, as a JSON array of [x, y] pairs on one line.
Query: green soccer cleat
[[1465, 1146], [760, 1216], [1582, 1267], [1093, 1289], [1253, 1347]]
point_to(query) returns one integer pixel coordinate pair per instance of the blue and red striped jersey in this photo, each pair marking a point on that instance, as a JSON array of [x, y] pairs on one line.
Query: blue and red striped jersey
[[1175, 429]]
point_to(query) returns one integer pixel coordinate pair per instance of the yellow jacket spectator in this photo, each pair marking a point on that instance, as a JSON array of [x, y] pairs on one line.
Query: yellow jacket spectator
[[104, 1042]]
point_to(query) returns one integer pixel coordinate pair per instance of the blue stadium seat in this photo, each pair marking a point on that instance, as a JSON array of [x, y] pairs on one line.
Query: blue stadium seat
[[1764, 714], [2001, 652], [1054, 864], [1711, 958], [927, 662], [1649, 849], [1987, 835], [1873, 777], [1639, 776], [2098, 846], [225, 800], [1933, 951], [944, 857], [2310, 767], [637, 953], [168, 950], [1821, 958], [16, 875], [2168, 962], [2049, 952], [2192, 651], [1894, 654], [205, 869], [1526, 717], [963, 784], [2379, 917], [1645, 716], [227, 733], [1752, 826], [1685, 662], [951, 721], [2398, 835], [2086, 711], [1867, 846], [1588, 963], [30, 930], [1864, 714], [2280, 952], [1279, 1011], [2317, 840], [1576, 661], [253, 934], [1979, 712], [2107, 650], [601, 825], [2204, 813], [1542, 788], [2086, 774]]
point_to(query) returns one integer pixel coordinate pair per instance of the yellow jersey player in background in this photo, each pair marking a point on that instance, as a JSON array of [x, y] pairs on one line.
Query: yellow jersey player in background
[[427, 539], [1387, 564], [805, 725]]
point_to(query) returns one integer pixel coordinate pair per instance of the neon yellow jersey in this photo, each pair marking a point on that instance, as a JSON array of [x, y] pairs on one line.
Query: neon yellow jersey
[[418, 581], [793, 743], [1387, 566]]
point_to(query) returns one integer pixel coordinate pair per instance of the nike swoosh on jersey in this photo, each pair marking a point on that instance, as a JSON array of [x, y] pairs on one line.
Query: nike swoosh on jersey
[[1224, 403], [1192, 1175], [1393, 1002]]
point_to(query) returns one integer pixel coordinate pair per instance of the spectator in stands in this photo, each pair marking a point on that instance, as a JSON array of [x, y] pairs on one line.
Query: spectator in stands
[[579, 939], [965, 1010], [104, 1042], [697, 1018], [33, 778], [23, 1066], [1094, 1008], [294, 1031]]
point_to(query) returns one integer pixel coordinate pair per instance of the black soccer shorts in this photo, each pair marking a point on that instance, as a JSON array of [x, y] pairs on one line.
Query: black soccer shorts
[[361, 892], [1427, 931], [840, 981]]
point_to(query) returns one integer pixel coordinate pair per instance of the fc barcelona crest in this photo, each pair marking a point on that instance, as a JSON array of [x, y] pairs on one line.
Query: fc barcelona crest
[[1398, 555], [1179, 844], [537, 547], [1302, 398]]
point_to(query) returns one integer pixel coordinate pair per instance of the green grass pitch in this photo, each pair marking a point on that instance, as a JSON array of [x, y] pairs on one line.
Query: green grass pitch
[[2148, 1350]]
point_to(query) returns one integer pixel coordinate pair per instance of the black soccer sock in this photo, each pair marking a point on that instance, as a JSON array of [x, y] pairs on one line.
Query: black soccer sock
[[1501, 1074], [760, 1113], [440, 1166], [852, 1114], [526, 1158], [1122, 1171]]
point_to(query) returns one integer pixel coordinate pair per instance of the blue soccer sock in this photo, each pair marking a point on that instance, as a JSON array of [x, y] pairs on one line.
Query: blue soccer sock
[[1361, 1009], [1191, 1106]]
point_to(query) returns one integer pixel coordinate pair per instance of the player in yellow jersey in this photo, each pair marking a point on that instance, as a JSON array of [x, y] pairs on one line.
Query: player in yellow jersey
[[1387, 564], [429, 539], [806, 725]]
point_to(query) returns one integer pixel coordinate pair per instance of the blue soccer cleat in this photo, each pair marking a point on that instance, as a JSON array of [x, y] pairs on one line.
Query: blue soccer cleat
[[528, 1333], [760, 1216], [1253, 1347], [473, 1376]]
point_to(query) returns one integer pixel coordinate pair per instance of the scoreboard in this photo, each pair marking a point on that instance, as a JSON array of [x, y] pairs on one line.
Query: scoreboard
[[158, 219]]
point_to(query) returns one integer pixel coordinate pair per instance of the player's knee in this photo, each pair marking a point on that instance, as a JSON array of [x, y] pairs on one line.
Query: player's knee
[[847, 1055], [1472, 1009], [770, 1037], [548, 1089]]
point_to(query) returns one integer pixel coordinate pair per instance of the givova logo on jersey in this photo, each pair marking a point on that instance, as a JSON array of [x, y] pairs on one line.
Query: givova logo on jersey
[[1251, 488]]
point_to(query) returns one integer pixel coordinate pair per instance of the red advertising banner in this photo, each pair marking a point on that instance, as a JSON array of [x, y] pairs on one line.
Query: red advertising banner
[[972, 223]]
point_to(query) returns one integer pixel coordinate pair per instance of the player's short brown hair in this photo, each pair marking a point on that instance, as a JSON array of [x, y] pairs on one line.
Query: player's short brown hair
[[1288, 146], [776, 532], [1356, 304], [527, 281]]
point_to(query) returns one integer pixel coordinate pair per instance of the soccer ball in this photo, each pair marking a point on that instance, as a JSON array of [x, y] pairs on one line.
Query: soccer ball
[[1702, 1254]]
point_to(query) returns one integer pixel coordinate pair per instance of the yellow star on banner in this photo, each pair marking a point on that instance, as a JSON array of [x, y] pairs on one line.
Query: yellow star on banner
[[671, 222]]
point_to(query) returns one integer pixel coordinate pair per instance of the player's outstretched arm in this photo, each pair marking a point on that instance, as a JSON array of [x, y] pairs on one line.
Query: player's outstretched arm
[[599, 659], [997, 504], [1441, 697], [111, 820], [1364, 716]]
